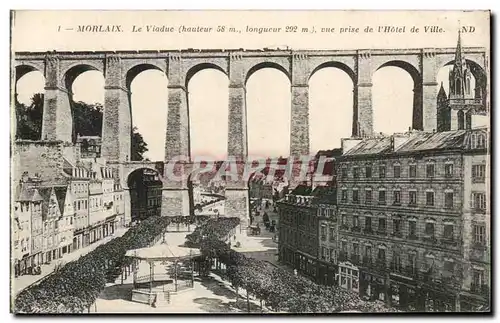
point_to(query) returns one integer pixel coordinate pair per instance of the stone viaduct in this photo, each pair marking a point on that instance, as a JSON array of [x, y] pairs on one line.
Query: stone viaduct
[[119, 69]]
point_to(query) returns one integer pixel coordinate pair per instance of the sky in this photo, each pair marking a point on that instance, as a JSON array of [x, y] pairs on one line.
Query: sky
[[268, 90], [268, 107]]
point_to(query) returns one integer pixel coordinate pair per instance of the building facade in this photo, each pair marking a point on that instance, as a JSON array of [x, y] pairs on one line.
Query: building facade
[[403, 228]]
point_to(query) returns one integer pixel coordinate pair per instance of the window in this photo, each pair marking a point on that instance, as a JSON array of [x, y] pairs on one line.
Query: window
[[397, 171], [397, 197], [355, 220], [323, 252], [344, 195], [477, 278], [355, 196], [381, 254], [344, 246], [344, 219], [449, 266], [429, 229], [368, 171], [355, 248], [344, 172], [429, 198], [368, 223], [478, 172], [413, 198], [396, 260], [368, 196], [479, 234], [396, 225], [481, 141], [448, 170], [412, 228], [381, 171], [412, 261], [78, 205], [355, 172], [381, 225], [323, 232], [448, 231], [331, 234], [332, 255], [429, 170], [381, 197], [368, 252], [413, 171], [479, 200]]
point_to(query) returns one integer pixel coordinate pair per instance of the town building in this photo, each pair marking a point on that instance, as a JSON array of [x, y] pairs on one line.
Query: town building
[[80, 179], [65, 223], [50, 216], [119, 206], [405, 221], [145, 194]]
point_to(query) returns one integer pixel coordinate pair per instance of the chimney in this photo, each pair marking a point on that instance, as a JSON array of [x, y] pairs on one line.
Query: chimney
[[349, 143]]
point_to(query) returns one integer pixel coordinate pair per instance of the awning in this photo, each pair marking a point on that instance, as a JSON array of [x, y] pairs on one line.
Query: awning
[[163, 252]]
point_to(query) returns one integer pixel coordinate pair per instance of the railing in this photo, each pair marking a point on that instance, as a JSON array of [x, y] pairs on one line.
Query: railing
[[397, 234], [356, 229], [460, 101], [381, 232], [367, 261], [356, 259], [342, 256], [482, 289]]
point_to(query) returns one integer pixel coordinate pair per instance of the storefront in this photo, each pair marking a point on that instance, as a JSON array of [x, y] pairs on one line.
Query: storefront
[[327, 273], [348, 275], [306, 265]]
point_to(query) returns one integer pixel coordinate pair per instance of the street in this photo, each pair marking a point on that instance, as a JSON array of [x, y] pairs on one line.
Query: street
[[22, 282]]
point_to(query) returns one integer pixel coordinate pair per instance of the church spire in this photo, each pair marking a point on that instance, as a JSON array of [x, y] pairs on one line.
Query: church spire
[[442, 94]]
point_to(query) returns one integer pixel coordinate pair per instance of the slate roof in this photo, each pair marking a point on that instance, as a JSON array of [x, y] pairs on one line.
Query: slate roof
[[302, 190], [417, 141], [61, 192], [371, 146], [325, 195]]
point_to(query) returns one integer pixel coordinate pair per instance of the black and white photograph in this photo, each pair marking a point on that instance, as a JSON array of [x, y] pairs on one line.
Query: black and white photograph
[[250, 162]]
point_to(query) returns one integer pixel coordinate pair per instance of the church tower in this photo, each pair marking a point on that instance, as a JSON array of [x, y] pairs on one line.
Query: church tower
[[461, 99], [443, 110]]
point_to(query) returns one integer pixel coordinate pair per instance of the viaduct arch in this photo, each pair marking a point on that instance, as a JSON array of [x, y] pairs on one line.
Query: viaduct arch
[[119, 69]]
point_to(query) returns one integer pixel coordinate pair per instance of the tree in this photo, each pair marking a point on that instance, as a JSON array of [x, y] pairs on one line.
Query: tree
[[139, 146], [29, 118]]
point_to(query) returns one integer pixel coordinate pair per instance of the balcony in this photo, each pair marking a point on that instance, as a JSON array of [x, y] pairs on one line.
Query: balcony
[[429, 239], [397, 268], [412, 237], [449, 242], [356, 259], [367, 261], [344, 227], [368, 231], [477, 179], [382, 202], [410, 271], [381, 232], [356, 229], [483, 289], [463, 102], [397, 234], [381, 264]]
